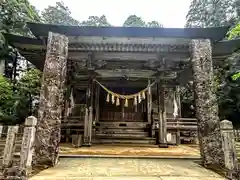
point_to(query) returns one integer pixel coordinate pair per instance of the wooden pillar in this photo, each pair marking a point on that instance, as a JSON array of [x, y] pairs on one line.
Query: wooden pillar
[[162, 117], [97, 103], [48, 132], [177, 96], [65, 114], [149, 103], [89, 98], [90, 117], [87, 114]]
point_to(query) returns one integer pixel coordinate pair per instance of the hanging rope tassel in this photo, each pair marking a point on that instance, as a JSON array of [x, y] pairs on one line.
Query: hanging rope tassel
[[143, 95], [139, 98], [113, 99], [135, 100], [126, 103], [117, 102], [108, 98]]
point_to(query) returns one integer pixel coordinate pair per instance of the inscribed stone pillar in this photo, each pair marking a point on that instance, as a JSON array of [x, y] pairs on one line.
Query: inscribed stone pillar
[[51, 101], [9, 146], [27, 148], [229, 149], [210, 141]]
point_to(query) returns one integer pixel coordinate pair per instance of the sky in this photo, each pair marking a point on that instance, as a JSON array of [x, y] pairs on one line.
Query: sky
[[170, 13]]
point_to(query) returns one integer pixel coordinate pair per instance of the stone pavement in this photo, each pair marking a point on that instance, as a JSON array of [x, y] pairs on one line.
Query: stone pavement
[[126, 169], [131, 150]]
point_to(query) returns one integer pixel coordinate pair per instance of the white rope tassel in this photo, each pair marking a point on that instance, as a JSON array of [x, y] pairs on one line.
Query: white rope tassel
[[135, 100], [126, 103], [139, 98], [113, 99], [143, 95], [117, 101], [108, 98], [175, 106]]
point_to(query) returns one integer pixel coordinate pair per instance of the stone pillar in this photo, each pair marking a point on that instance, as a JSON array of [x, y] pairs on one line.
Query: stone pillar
[[162, 117], [229, 149], [51, 101], [210, 141], [27, 147], [9, 147]]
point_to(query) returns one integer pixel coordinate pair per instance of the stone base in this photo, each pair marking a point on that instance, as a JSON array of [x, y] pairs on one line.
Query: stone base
[[163, 145], [14, 173], [87, 145]]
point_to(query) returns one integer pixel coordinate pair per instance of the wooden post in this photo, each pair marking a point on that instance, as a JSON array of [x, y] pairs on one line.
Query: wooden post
[[159, 130], [177, 95], [9, 146], [85, 135], [1, 130], [149, 102], [27, 147], [90, 126], [66, 106], [97, 104], [162, 117], [90, 117]]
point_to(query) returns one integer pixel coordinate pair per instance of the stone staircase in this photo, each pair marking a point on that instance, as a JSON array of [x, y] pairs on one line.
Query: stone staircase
[[122, 133]]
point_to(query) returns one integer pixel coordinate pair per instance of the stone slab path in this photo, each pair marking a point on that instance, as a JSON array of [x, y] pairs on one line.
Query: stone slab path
[[131, 150], [126, 169]]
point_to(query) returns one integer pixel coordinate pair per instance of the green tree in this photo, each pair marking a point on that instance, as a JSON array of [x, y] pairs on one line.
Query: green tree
[[135, 21], [215, 13], [96, 21], [59, 14], [28, 87], [14, 15], [16, 105], [211, 13], [6, 98], [154, 24]]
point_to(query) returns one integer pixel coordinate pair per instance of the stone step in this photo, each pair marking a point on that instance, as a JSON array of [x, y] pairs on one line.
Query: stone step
[[122, 131], [125, 125], [122, 136], [123, 141]]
